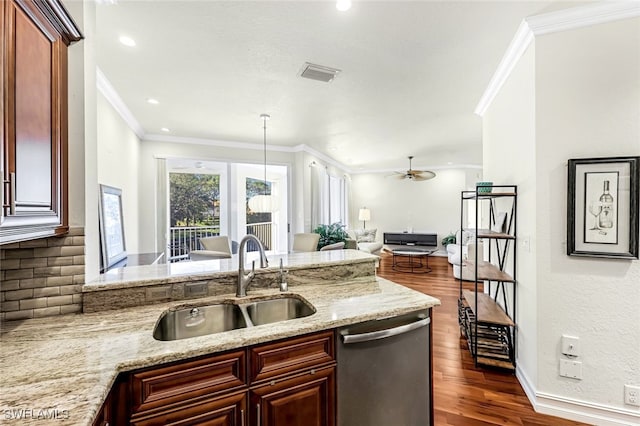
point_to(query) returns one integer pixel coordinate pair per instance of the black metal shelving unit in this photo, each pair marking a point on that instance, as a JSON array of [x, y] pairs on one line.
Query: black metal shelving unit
[[487, 312]]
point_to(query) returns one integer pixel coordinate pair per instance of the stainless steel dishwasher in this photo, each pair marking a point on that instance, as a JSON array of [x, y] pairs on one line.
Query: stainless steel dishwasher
[[384, 372]]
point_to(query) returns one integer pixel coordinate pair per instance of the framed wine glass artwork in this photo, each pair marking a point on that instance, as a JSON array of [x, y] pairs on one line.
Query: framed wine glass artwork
[[602, 207]]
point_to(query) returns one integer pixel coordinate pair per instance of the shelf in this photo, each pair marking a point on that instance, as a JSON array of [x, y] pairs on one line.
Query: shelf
[[486, 271], [490, 332], [488, 233], [489, 312], [486, 195], [497, 363]]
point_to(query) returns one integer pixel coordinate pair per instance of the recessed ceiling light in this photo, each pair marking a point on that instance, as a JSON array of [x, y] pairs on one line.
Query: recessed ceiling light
[[449, 163], [343, 5], [165, 129], [153, 101], [127, 41]]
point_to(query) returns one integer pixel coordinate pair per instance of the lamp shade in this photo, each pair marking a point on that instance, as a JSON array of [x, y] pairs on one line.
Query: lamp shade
[[263, 203], [364, 214]]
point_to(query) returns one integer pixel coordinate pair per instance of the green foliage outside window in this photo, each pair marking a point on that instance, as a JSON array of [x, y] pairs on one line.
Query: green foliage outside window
[[194, 199]]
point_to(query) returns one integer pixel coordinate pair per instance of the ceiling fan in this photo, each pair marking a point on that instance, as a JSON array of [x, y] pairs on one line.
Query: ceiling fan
[[417, 175]]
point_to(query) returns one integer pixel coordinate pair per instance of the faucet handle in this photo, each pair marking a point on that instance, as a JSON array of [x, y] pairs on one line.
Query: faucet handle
[[253, 266]]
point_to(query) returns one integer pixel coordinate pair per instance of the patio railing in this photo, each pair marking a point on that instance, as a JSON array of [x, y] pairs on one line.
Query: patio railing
[[263, 232], [183, 239]]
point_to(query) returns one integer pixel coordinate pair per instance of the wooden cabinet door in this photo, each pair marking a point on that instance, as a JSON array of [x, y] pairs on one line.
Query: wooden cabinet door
[[34, 43], [226, 410], [304, 400]]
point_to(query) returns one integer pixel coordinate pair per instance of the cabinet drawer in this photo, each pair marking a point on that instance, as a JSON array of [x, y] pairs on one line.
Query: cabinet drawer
[[228, 410], [306, 399], [160, 386], [276, 359]]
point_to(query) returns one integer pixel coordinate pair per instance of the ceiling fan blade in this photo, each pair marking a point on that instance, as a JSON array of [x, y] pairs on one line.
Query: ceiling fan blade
[[424, 175], [398, 175]]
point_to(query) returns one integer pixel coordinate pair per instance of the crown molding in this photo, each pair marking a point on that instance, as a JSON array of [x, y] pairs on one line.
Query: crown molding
[[250, 146], [547, 23], [583, 16], [109, 92], [516, 49], [324, 157], [216, 142]]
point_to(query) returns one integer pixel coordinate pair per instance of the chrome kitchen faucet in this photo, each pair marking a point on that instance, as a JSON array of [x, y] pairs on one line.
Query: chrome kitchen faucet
[[244, 280]]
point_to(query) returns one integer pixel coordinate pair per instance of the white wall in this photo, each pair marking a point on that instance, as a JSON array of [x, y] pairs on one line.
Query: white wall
[[509, 159], [587, 105], [397, 205], [586, 92], [118, 158], [83, 197]]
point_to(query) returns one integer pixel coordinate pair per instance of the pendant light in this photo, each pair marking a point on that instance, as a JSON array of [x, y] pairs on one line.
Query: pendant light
[[263, 203]]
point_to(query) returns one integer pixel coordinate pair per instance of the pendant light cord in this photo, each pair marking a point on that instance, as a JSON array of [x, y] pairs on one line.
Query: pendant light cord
[[265, 117]]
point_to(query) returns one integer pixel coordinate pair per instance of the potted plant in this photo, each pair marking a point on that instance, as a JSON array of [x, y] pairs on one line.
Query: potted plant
[[331, 234], [449, 239]]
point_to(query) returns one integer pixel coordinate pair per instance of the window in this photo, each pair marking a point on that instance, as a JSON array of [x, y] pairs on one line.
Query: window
[[337, 200], [208, 198]]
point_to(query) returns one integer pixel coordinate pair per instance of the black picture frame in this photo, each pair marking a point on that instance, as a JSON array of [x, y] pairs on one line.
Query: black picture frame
[[112, 241], [602, 207]]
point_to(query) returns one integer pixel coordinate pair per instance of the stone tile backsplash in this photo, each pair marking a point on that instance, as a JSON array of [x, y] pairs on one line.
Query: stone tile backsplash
[[43, 277]]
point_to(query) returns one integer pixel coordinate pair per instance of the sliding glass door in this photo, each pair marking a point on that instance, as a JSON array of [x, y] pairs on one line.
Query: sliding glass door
[[208, 198]]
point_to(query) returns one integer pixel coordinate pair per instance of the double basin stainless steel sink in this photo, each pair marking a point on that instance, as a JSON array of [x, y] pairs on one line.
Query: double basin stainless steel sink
[[220, 317]]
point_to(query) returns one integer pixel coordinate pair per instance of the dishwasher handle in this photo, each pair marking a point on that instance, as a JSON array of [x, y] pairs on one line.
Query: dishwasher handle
[[383, 334]]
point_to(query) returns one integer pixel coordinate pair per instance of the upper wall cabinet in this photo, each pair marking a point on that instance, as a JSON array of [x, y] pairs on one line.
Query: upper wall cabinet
[[34, 38]]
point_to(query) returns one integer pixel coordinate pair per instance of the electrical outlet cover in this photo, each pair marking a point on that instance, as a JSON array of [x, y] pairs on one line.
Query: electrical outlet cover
[[632, 395]]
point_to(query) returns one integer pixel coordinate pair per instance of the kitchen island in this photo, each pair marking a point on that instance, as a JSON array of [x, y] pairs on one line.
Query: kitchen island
[[65, 366]]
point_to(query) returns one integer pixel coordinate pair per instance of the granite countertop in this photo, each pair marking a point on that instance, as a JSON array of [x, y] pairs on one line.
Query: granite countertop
[[66, 365], [167, 273]]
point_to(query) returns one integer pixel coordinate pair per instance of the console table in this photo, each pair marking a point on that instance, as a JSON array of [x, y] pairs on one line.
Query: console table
[[410, 239]]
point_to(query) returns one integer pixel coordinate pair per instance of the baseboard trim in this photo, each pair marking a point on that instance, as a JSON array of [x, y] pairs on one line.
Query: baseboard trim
[[574, 409]]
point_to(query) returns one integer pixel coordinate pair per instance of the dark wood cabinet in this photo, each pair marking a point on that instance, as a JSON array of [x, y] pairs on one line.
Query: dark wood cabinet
[[33, 72], [224, 410], [288, 382], [293, 381], [304, 400]]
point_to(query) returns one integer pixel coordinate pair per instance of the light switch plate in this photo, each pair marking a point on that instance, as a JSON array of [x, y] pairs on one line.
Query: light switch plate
[[571, 369], [570, 345]]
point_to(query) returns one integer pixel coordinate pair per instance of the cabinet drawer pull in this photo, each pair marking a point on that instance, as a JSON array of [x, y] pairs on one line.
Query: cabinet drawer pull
[[313, 371], [241, 417], [258, 414]]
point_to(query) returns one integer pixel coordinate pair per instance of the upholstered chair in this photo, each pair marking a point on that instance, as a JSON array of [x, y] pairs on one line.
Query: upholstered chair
[[305, 242], [213, 248], [335, 246]]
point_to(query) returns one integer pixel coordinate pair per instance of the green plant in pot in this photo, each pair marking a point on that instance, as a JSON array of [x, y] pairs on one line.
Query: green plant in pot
[[449, 239], [331, 234]]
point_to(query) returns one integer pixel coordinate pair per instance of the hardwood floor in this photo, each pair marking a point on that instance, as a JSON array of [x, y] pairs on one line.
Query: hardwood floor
[[463, 394]]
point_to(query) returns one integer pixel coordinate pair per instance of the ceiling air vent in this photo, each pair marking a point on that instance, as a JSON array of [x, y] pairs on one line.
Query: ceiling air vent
[[318, 72]]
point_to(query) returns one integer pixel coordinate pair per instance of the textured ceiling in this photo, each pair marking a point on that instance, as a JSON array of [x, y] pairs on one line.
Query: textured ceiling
[[412, 72]]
